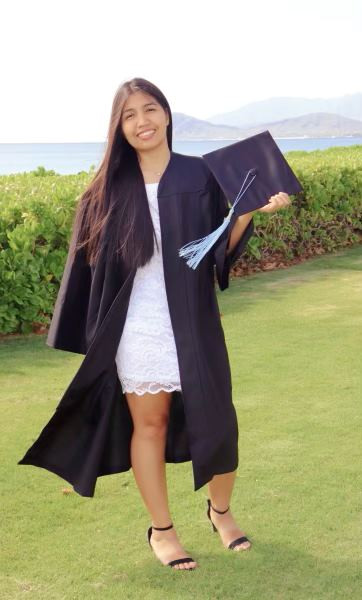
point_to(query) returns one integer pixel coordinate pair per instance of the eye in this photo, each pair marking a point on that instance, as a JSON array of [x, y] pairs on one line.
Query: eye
[[150, 109]]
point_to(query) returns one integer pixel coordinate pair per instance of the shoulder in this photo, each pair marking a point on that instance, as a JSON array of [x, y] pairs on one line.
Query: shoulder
[[192, 163], [187, 173]]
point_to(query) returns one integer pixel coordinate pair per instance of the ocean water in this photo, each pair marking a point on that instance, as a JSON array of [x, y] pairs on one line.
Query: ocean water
[[67, 158]]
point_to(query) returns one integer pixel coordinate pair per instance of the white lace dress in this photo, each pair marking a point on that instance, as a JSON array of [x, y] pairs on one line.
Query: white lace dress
[[146, 358]]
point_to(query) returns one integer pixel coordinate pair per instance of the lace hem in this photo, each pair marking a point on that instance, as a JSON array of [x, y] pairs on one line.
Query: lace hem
[[147, 387]]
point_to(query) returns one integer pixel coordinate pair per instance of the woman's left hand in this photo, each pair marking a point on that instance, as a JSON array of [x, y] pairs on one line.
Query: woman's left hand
[[276, 202]]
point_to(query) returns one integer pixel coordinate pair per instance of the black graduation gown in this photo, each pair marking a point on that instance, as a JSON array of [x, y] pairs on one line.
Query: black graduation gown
[[90, 432]]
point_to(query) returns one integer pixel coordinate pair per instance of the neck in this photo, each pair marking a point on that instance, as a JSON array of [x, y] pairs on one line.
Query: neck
[[154, 160]]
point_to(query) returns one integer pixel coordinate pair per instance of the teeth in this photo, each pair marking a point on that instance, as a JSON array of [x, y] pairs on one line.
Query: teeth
[[146, 133]]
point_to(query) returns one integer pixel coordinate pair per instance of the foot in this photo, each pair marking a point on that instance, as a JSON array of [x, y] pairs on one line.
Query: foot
[[228, 529], [167, 547]]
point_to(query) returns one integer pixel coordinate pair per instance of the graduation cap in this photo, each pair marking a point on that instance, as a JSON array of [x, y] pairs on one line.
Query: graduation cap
[[248, 172]]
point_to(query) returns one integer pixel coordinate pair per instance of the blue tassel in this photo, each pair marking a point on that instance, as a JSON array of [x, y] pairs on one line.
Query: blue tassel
[[197, 249]]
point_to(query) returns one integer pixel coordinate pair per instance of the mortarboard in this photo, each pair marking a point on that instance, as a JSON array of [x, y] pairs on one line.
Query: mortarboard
[[248, 172]]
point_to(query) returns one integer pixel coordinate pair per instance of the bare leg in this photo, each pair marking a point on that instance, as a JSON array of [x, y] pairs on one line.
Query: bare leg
[[220, 490], [150, 413]]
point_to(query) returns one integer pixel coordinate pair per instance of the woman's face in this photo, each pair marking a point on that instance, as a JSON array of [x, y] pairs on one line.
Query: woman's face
[[144, 121]]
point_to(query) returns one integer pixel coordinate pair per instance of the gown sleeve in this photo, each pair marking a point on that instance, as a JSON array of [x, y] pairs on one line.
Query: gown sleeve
[[224, 262], [67, 329]]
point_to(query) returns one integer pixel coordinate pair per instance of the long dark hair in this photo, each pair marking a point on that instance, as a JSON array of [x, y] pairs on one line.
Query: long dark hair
[[116, 198]]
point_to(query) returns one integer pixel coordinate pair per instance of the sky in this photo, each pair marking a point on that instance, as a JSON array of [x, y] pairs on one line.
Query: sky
[[62, 61]]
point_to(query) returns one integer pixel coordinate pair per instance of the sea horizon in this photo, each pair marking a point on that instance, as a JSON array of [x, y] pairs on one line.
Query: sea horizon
[[74, 157]]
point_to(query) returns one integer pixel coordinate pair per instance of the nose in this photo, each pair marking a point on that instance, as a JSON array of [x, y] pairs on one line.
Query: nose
[[142, 119]]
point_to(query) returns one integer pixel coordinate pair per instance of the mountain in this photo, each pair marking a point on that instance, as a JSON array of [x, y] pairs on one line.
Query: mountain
[[275, 109], [188, 128], [312, 125]]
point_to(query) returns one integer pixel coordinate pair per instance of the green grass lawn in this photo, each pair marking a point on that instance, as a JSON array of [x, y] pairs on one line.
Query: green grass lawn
[[294, 338]]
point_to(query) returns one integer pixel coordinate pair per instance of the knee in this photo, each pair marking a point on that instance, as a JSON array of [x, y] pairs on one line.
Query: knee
[[152, 427]]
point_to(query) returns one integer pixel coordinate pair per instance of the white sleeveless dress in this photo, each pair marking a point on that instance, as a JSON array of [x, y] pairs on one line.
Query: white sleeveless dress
[[146, 358]]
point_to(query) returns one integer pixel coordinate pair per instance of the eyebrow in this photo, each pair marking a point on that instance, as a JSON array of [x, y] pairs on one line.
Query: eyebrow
[[144, 106]]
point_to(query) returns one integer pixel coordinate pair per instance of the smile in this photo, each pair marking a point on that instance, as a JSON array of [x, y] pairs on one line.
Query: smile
[[146, 134]]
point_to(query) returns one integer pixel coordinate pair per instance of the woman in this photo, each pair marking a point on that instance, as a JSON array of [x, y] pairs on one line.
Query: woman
[[155, 383]]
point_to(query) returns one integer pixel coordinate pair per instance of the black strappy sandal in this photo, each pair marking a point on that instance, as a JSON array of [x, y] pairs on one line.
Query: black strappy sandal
[[176, 561], [234, 543]]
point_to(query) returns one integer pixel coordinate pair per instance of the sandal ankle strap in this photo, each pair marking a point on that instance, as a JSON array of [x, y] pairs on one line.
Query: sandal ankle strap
[[221, 512], [162, 528]]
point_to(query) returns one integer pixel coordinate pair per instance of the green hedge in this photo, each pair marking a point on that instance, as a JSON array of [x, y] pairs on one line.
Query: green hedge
[[326, 216], [37, 210], [36, 215]]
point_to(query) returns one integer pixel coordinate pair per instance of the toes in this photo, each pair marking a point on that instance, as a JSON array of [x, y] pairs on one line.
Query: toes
[[242, 546], [185, 566]]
